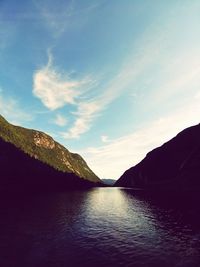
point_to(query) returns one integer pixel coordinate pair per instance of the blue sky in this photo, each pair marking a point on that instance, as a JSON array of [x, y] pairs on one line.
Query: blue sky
[[110, 80]]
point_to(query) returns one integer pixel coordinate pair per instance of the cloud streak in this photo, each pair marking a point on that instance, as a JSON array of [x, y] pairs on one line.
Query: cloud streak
[[60, 120], [85, 115], [54, 89], [151, 61], [88, 111], [169, 75], [122, 153]]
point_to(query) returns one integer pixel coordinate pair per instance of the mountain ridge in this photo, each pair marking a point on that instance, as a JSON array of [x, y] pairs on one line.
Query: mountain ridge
[[43, 148], [174, 165]]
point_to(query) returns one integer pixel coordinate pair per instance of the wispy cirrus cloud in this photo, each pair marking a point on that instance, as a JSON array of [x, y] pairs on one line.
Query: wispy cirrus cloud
[[85, 114], [54, 89], [104, 138], [144, 55], [166, 74], [88, 111], [153, 68], [128, 150], [60, 120]]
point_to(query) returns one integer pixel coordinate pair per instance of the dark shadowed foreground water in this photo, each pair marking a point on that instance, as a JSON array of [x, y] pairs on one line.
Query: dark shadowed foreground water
[[100, 227]]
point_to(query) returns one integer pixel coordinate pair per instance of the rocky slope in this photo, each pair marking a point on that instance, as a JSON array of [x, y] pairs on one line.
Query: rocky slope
[[20, 147], [174, 165]]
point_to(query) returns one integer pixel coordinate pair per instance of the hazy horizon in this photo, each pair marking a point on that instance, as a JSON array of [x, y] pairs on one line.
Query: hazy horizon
[[110, 80]]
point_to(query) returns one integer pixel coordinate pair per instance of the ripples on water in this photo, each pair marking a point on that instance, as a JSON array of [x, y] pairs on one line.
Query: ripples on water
[[100, 227]]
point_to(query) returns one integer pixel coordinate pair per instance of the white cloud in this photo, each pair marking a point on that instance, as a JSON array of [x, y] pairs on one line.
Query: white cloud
[[166, 63], [112, 159], [86, 112], [104, 138], [135, 65], [168, 74], [54, 89], [10, 109], [60, 120], [172, 70]]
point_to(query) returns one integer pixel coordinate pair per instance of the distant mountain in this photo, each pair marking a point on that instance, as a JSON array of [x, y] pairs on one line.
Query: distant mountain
[[174, 165], [108, 181], [34, 158]]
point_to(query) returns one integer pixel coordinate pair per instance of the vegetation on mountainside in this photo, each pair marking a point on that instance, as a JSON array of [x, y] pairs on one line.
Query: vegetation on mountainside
[[42, 147]]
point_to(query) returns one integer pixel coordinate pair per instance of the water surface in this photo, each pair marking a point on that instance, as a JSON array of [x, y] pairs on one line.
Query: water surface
[[100, 227]]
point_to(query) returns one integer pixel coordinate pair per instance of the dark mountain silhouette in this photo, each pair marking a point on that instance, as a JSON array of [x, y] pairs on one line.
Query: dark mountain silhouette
[[174, 165], [32, 160]]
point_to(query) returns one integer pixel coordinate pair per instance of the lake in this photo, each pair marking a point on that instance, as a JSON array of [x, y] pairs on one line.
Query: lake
[[100, 227]]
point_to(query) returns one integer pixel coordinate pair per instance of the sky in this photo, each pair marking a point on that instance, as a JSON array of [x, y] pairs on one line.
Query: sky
[[108, 79]]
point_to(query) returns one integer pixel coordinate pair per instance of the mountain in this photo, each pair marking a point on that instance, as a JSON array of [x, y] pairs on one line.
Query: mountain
[[34, 157], [174, 165], [108, 181]]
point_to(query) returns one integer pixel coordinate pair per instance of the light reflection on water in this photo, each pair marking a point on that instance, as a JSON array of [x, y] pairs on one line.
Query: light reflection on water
[[100, 227]]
